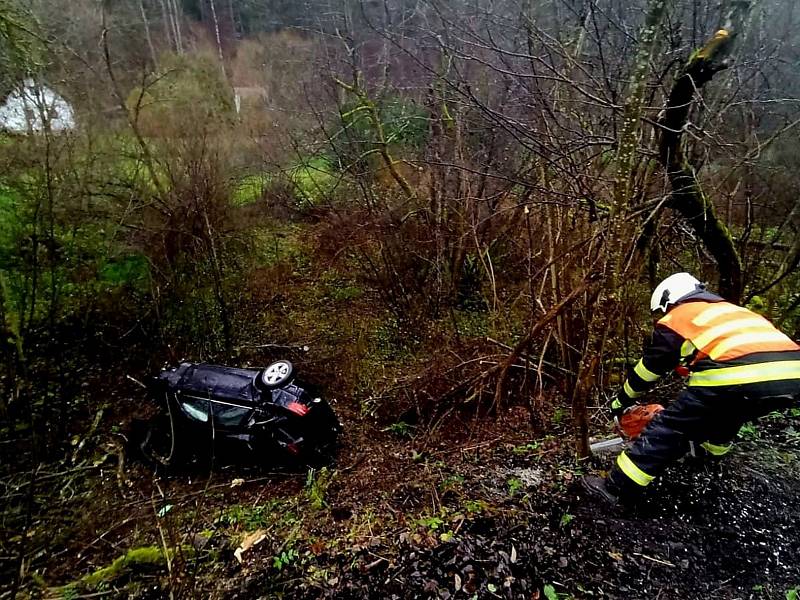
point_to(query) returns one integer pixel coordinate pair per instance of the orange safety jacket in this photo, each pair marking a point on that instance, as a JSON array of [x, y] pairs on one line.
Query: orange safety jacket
[[718, 343]]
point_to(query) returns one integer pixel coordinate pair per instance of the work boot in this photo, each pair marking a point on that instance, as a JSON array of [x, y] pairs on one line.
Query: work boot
[[601, 489]]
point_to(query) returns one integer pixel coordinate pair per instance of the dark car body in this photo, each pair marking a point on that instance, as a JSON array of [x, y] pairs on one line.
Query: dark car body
[[213, 404]]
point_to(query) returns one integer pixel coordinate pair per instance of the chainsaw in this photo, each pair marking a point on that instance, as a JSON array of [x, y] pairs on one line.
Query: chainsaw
[[630, 426]]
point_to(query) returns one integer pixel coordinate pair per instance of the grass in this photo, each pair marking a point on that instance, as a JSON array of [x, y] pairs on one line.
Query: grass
[[314, 180], [317, 482], [249, 518], [9, 218], [250, 189], [273, 244]]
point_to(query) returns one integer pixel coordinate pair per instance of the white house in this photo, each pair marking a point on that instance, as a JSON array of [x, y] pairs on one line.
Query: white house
[[31, 105]]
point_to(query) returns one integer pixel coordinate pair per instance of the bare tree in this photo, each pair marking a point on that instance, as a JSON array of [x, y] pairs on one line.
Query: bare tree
[[149, 38], [217, 37]]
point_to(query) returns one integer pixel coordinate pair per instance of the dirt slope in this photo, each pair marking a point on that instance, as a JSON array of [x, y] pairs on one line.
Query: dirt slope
[[728, 530]]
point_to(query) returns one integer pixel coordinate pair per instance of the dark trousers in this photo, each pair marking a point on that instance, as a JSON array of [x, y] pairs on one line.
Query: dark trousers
[[710, 417]]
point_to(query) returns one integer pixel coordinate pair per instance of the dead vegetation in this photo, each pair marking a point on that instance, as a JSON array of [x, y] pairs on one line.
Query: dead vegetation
[[449, 216]]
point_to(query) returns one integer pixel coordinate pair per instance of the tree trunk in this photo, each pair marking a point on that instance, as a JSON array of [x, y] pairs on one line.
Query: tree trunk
[[234, 23], [687, 196], [176, 21], [219, 291], [168, 28], [634, 108], [217, 37], [605, 301], [147, 34]]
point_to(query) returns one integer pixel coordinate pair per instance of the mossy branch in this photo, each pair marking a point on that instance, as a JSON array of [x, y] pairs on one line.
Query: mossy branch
[[687, 195], [143, 559], [634, 107], [366, 104]]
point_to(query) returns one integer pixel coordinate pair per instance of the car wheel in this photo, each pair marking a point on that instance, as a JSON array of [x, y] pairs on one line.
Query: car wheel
[[276, 374]]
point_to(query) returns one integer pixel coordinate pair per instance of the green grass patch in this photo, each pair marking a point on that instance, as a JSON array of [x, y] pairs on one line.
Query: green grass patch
[[472, 324], [9, 217], [314, 180], [249, 518], [405, 124], [286, 242], [317, 482], [251, 189]]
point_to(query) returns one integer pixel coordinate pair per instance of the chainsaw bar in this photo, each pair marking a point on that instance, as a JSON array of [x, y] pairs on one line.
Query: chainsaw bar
[[606, 445]]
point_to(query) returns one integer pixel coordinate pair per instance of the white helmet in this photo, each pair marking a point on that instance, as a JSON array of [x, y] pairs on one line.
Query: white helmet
[[672, 289]]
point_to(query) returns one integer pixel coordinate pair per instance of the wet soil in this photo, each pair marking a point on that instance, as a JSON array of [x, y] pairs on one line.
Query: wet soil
[[479, 508], [723, 530]]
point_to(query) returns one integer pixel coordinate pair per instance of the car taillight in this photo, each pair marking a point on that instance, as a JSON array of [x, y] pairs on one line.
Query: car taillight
[[297, 408]]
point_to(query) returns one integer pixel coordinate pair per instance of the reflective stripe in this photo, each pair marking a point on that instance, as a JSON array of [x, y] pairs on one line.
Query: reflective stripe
[[707, 325], [755, 373], [687, 348], [716, 450], [627, 466], [645, 373], [712, 333], [615, 403], [630, 391], [716, 310], [746, 339]]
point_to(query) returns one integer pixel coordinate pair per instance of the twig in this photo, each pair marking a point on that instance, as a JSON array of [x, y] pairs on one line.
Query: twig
[[374, 563], [188, 495], [655, 560], [356, 462], [535, 328], [468, 448], [47, 476], [303, 347], [528, 357], [163, 539], [97, 418], [136, 381], [105, 533], [92, 595]]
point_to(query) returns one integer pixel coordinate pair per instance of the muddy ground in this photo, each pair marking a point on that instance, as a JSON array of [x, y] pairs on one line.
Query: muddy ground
[[475, 509], [727, 530], [464, 506]]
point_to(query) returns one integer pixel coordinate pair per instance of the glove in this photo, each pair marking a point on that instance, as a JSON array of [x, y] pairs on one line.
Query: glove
[[618, 407]]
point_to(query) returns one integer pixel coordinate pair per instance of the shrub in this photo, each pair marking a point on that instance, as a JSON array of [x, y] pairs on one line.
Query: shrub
[[188, 95], [314, 179]]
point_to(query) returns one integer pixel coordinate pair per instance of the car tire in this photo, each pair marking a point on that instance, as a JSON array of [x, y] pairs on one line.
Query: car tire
[[276, 374]]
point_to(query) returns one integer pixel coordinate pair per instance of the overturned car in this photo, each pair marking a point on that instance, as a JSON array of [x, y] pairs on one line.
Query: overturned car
[[266, 412]]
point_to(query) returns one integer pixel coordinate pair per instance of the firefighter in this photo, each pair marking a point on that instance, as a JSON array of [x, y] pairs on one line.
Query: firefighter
[[739, 367]]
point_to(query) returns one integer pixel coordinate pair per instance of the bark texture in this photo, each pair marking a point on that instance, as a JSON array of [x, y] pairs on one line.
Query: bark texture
[[687, 195]]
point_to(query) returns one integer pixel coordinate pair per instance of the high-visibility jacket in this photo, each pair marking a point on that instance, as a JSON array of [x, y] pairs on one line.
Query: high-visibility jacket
[[718, 343]]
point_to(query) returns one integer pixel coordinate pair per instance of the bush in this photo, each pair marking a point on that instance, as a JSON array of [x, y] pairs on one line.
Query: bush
[[404, 123], [189, 95], [314, 180], [251, 189]]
